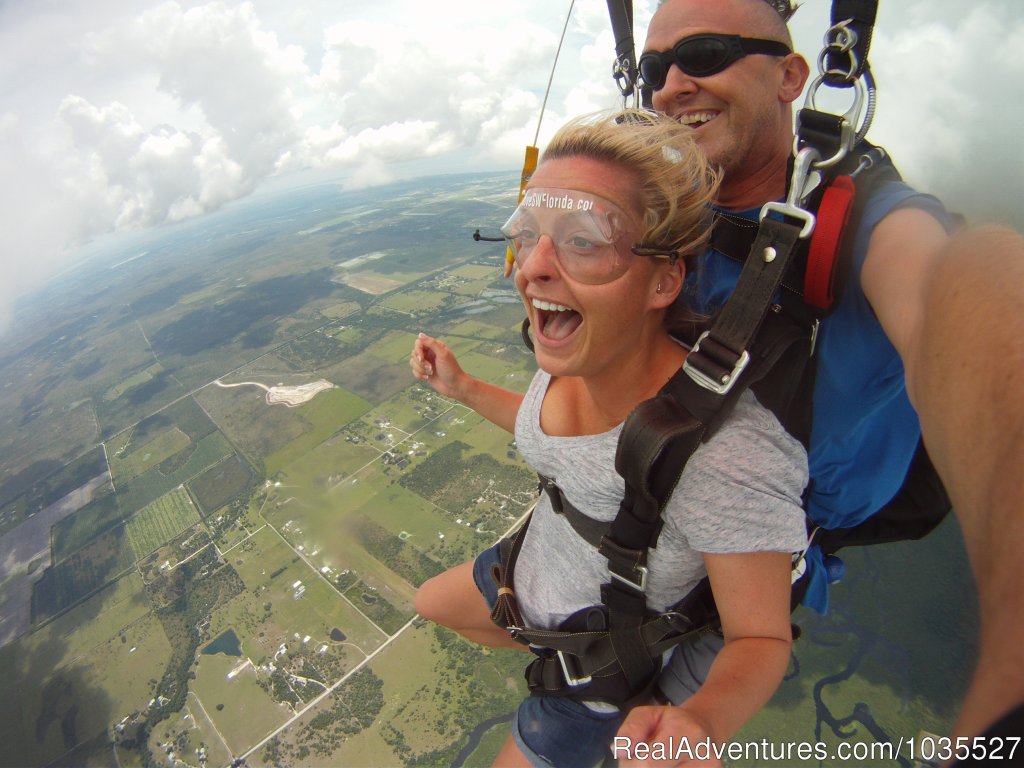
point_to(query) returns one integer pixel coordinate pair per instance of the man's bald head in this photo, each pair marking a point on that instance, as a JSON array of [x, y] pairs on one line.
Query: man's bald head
[[766, 18]]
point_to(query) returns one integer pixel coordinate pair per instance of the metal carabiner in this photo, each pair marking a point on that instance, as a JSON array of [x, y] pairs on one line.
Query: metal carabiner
[[850, 120], [806, 160], [845, 36], [628, 86], [840, 38]]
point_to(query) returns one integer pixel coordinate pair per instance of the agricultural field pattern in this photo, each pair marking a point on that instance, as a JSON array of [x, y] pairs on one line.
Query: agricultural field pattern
[[220, 487]]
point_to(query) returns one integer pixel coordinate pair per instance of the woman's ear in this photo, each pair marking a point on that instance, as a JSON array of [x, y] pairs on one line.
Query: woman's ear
[[669, 284]]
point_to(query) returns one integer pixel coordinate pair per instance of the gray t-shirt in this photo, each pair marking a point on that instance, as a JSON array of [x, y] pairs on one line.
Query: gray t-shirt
[[740, 492]]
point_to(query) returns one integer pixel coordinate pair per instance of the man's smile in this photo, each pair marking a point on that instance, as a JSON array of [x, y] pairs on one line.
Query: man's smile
[[697, 119]]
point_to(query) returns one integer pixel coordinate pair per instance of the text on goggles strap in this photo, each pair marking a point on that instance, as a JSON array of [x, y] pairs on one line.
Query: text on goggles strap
[[585, 231]]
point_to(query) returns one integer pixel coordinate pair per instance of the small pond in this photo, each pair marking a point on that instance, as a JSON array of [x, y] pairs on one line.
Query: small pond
[[226, 643]]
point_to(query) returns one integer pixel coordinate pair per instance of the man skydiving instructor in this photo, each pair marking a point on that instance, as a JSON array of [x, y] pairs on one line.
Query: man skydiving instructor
[[927, 337]]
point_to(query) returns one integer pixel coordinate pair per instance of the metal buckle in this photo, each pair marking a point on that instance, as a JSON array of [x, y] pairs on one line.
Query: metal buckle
[[805, 159], [570, 678], [641, 585], [718, 387]]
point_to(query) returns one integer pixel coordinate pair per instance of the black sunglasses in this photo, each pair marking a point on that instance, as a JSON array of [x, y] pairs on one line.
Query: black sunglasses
[[704, 55]]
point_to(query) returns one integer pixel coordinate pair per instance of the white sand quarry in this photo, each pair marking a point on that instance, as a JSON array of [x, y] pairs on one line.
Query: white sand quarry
[[290, 396]]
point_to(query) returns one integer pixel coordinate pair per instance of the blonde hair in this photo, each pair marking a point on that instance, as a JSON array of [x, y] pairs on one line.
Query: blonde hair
[[675, 183]]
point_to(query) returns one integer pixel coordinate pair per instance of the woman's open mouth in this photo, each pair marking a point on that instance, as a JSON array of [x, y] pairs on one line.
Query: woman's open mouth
[[555, 322]]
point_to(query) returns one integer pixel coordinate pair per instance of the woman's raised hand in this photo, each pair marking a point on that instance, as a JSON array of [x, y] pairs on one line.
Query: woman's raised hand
[[431, 361]]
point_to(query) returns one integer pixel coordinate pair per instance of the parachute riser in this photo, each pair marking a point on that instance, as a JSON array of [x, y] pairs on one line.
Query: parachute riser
[[821, 139], [624, 71]]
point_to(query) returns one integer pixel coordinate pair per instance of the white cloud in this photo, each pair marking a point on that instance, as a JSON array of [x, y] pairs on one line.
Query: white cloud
[[33, 220], [369, 173], [951, 110]]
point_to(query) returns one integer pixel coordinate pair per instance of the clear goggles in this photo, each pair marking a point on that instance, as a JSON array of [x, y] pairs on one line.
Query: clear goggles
[[585, 231]]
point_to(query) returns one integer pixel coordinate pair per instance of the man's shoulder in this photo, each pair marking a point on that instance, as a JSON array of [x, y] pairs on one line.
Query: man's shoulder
[[896, 195]]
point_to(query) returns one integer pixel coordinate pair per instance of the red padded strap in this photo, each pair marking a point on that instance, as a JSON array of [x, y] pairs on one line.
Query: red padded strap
[[823, 253]]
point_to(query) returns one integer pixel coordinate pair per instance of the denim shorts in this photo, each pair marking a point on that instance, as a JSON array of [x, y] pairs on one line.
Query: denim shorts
[[552, 730]]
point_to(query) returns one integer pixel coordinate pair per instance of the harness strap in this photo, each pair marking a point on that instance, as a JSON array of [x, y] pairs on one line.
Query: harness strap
[[626, 611], [587, 528], [588, 662], [740, 319], [505, 612], [733, 236], [657, 439]]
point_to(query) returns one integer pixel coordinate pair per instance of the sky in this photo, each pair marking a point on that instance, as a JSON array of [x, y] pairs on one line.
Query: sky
[[118, 116]]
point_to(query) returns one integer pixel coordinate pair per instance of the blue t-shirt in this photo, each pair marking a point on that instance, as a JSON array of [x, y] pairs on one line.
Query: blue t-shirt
[[864, 430]]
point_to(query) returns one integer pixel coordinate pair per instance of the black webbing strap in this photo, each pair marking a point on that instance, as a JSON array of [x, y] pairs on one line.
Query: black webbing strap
[[734, 236], [861, 16], [621, 14], [626, 613], [718, 357], [657, 439], [587, 528], [821, 130], [737, 325], [589, 662], [656, 442]]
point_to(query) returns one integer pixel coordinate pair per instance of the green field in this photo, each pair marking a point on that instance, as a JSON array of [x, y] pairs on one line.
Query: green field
[[329, 462], [325, 415], [159, 522], [221, 484], [348, 334], [340, 310], [429, 682], [179, 469], [133, 381], [43, 484], [84, 670], [270, 568], [469, 280], [395, 347], [64, 584], [76, 530], [415, 302], [237, 705], [127, 465], [474, 329]]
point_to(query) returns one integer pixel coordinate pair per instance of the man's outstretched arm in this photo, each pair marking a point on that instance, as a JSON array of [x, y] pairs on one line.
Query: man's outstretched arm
[[955, 312]]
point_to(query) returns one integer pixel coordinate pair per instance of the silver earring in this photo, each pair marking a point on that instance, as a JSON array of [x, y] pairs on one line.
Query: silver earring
[[658, 289]]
